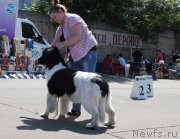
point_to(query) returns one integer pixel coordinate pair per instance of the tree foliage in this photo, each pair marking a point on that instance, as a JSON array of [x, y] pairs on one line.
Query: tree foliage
[[137, 16]]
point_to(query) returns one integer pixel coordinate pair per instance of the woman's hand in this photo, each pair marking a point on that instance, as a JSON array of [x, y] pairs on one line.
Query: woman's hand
[[55, 42], [52, 45], [58, 45]]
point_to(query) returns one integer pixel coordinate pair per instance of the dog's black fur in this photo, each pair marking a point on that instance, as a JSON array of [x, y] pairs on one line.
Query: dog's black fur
[[62, 82], [89, 89], [104, 87], [51, 57]]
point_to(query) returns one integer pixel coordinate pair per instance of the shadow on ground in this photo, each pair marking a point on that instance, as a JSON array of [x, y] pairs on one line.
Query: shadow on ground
[[60, 124]]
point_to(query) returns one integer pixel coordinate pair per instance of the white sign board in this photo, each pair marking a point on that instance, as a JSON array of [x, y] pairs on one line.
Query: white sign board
[[108, 38], [149, 85], [139, 91]]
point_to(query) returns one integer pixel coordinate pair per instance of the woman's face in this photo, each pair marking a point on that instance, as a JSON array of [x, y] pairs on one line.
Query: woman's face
[[58, 17]]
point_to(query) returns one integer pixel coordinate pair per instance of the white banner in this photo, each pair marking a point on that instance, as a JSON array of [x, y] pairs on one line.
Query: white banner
[[108, 38]]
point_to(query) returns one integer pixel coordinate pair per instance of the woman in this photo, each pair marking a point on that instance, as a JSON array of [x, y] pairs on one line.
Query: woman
[[73, 34]]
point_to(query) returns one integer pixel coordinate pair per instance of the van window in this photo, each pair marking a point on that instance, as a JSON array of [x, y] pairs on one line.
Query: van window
[[28, 31]]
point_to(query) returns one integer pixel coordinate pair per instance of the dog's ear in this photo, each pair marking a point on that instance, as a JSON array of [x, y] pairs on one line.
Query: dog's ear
[[52, 56], [46, 50], [57, 49]]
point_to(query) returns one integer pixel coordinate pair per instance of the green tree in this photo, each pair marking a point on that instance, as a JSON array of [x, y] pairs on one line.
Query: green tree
[[41, 6], [156, 16], [137, 16]]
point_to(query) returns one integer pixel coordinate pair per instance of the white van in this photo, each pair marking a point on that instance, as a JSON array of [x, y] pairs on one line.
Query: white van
[[26, 29]]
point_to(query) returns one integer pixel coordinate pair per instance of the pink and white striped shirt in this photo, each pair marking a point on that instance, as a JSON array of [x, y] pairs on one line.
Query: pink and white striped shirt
[[87, 41]]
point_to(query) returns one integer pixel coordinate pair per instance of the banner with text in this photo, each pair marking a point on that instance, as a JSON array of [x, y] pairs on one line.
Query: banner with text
[[108, 38], [8, 16]]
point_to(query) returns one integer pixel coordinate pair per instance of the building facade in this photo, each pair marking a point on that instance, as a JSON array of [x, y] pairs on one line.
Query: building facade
[[112, 40]]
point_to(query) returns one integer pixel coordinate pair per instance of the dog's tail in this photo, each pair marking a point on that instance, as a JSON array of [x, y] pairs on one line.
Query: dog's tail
[[105, 101], [104, 86]]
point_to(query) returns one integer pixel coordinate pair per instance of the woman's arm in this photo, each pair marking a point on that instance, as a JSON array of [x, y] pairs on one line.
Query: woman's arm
[[76, 36], [55, 41]]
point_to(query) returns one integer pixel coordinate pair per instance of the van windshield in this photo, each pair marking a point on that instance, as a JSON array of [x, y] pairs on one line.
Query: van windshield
[[28, 31]]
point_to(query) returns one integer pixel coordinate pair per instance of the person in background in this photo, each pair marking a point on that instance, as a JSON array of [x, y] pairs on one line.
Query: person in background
[[135, 66], [122, 63], [74, 35], [137, 56], [159, 56], [107, 64], [164, 56], [175, 71], [116, 68], [176, 56]]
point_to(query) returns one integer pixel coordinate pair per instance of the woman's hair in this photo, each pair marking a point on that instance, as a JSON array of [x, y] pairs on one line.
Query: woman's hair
[[56, 6], [56, 2]]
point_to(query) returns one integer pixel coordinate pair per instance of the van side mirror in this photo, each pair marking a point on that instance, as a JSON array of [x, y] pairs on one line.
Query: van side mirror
[[35, 38], [38, 38]]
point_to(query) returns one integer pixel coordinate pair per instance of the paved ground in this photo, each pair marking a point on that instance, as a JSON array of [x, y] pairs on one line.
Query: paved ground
[[21, 102]]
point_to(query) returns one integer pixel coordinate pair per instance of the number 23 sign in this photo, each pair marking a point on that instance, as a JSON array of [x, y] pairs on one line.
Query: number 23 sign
[[142, 88]]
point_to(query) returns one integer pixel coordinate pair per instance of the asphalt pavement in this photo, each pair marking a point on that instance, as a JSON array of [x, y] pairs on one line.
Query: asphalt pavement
[[22, 101]]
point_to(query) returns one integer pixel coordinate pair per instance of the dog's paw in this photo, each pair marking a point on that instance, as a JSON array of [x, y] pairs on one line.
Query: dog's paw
[[90, 126], [62, 116], [110, 124], [43, 115]]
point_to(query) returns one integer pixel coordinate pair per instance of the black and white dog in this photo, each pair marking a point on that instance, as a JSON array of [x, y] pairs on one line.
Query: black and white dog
[[89, 89]]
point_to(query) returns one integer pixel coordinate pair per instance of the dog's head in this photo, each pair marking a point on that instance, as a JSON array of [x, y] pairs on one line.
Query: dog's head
[[50, 57]]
